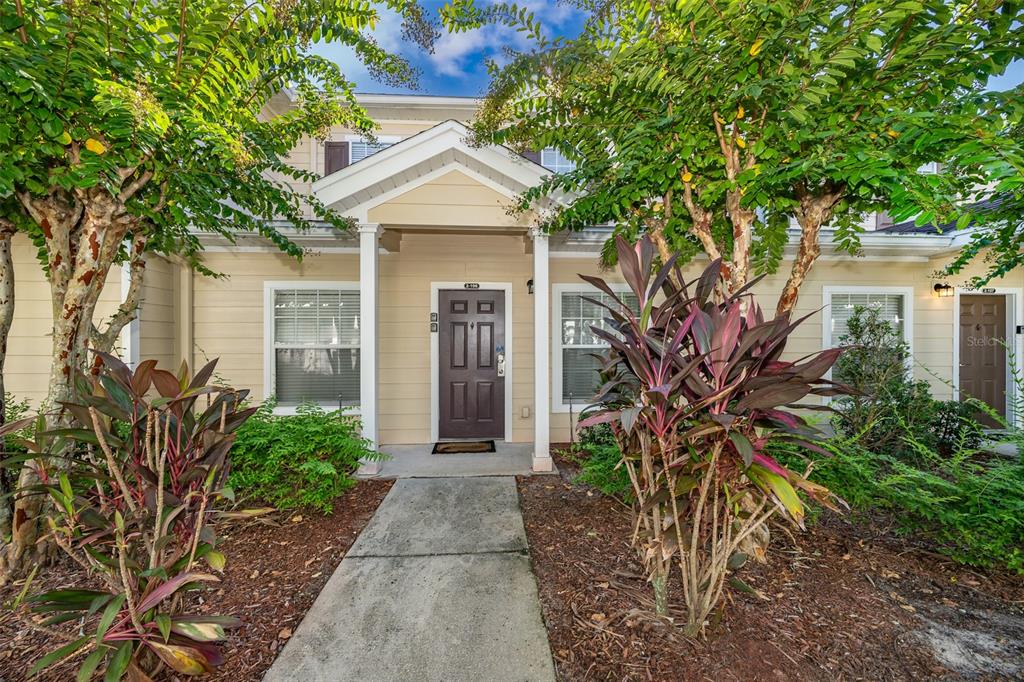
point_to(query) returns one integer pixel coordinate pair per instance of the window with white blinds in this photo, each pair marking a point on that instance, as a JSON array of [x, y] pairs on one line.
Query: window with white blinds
[[315, 345], [889, 305], [578, 372], [360, 149], [895, 306], [555, 161]]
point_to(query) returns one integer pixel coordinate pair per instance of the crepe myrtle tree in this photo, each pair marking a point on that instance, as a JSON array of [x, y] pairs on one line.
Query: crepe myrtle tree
[[709, 125], [996, 217], [127, 127]]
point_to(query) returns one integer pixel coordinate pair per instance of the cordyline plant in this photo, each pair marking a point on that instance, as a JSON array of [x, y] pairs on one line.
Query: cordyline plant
[[697, 390], [134, 505]]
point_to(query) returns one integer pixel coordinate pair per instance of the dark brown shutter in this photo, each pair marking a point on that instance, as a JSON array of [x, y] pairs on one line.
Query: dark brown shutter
[[533, 156], [335, 156]]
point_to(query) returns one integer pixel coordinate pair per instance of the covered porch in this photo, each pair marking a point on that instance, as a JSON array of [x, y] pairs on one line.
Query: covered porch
[[435, 233]]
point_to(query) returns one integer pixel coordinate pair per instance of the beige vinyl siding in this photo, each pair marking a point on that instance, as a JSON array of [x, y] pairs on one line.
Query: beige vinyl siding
[[228, 313], [454, 199], [156, 316], [405, 280], [932, 316], [29, 348]]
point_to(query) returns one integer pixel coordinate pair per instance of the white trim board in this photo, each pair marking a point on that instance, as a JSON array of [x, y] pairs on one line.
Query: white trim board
[[435, 365], [1014, 316], [269, 286], [557, 290], [131, 333]]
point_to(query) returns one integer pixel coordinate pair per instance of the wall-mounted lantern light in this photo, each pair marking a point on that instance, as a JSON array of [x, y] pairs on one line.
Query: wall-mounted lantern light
[[529, 287], [942, 289]]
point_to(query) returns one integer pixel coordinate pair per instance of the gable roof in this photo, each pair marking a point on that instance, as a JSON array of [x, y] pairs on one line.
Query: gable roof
[[416, 160]]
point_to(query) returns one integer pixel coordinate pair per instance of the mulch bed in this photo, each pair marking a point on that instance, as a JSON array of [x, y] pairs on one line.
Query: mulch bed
[[843, 601], [273, 574]]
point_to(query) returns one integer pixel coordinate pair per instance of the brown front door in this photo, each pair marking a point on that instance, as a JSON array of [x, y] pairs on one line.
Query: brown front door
[[472, 363], [983, 350]]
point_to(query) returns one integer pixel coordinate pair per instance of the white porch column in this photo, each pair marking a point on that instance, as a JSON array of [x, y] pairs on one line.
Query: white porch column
[[369, 237], [541, 353]]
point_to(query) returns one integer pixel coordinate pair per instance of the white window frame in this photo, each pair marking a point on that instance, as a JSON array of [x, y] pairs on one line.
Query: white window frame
[[269, 346], [557, 404], [552, 150], [908, 314], [351, 139]]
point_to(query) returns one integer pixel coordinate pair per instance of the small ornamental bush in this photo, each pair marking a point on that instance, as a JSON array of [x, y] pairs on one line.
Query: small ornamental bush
[[886, 408], [885, 402], [136, 493], [304, 459], [697, 392], [600, 462]]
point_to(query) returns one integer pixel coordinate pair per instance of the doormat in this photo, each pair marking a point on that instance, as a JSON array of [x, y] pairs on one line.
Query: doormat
[[464, 447]]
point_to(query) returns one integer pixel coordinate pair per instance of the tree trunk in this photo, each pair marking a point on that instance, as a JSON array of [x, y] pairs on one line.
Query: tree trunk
[[82, 241], [104, 340], [6, 318], [814, 211], [742, 220]]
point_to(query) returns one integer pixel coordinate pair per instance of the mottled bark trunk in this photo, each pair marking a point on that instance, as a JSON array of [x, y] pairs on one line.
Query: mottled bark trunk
[[742, 220], [82, 241], [105, 339], [813, 211], [6, 318]]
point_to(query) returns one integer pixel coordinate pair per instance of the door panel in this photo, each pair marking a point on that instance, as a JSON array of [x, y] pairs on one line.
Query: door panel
[[983, 351], [471, 336]]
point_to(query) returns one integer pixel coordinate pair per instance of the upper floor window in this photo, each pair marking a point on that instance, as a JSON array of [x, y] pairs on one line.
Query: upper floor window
[[338, 155], [555, 161], [360, 149]]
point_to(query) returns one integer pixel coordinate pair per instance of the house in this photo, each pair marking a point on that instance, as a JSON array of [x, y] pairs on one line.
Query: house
[[444, 316]]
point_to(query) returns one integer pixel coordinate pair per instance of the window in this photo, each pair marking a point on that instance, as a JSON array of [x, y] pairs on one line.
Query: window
[[314, 354], [895, 305], [555, 161], [575, 376], [360, 149]]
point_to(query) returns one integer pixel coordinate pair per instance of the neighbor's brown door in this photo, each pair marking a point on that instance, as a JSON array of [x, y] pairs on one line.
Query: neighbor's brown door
[[472, 348], [983, 350]]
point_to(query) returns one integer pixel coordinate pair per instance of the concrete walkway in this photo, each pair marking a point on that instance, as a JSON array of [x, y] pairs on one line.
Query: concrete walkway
[[416, 461], [438, 587]]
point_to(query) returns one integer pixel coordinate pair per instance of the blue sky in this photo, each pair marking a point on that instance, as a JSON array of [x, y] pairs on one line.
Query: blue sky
[[457, 64]]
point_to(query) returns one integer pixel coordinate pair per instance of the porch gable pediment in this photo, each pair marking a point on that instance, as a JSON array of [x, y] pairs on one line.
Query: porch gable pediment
[[425, 158]]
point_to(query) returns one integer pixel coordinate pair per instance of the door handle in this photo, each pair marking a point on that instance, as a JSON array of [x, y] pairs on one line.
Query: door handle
[[501, 364]]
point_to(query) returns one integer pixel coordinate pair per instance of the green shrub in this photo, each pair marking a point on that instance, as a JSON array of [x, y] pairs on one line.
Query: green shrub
[[886, 402], [600, 461], [302, 460], [971, 508], [953, 426]]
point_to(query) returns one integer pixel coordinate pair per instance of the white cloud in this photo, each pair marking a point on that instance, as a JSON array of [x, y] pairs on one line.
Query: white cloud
[[455, 56]]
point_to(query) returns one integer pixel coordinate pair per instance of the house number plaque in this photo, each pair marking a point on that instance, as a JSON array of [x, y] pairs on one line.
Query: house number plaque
[[471, 285]]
